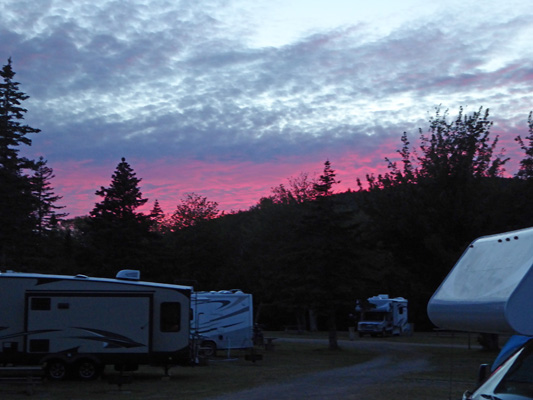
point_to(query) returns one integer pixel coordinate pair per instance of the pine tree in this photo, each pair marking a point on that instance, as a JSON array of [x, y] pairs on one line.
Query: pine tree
[[122, 198], [45, 215], [324, 186], [17, 202], [115, 229], [157, 218]]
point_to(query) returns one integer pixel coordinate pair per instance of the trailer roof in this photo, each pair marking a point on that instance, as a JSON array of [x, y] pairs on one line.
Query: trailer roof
[[32, 275]]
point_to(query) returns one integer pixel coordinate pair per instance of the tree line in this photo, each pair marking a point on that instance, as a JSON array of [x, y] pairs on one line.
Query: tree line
[[306, 252]]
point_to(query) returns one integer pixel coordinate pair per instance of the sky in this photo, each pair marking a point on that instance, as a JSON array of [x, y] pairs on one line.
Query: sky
[[229, 98]]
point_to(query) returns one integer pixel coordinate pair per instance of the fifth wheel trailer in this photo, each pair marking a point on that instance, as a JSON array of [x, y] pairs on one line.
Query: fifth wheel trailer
[[222, 320], [75, 325], [490, 290]]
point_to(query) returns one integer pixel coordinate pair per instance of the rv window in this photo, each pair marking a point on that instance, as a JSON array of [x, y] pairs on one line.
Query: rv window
[[170, 317], [40, 303]]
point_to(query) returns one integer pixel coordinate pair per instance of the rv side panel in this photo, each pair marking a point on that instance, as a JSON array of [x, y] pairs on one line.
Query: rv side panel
[[90, 322]]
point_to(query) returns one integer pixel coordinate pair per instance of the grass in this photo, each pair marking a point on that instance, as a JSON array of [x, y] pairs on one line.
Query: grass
[[453, 370]]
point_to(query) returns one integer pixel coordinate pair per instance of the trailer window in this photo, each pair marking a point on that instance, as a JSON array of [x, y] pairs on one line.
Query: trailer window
[[170, 317], [40, 303]]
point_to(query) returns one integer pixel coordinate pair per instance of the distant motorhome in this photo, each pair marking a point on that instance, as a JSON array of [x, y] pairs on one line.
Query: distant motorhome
[[383, 316], [76, 325]]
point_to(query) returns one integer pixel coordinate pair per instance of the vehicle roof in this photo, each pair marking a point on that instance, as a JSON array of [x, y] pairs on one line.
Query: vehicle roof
[[32, 275]]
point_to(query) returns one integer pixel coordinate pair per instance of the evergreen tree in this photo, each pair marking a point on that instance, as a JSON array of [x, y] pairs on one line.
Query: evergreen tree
[[122, 198], [17, 202], [324, 186], [157, 218], [116, 230], [45, 215]]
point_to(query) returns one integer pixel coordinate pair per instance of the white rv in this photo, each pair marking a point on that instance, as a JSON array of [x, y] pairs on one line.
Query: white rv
[[222, 320], [75, 325], [383, 316], [490, 290]]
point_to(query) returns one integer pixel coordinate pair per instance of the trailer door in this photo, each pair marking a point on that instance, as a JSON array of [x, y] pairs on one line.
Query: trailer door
[[88, 322]]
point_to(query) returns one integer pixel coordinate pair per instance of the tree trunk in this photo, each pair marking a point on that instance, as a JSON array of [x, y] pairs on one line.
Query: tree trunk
[[313, 324], [332, 327]]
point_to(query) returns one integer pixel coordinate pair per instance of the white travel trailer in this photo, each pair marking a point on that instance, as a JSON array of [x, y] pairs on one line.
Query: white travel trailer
[[222, 320], [490, 290], [75, 325], [383, 316]]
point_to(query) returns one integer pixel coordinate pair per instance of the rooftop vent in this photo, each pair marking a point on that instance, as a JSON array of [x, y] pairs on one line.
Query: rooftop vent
[[129, 275]]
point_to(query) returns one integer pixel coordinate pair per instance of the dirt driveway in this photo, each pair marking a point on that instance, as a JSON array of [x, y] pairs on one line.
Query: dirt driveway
[[378, 379]]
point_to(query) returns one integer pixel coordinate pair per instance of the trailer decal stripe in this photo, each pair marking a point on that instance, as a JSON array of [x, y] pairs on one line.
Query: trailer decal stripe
[[28, 333], [244, 310], [113, 340]]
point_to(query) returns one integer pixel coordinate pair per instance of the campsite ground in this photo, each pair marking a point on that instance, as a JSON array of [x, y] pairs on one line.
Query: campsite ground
[[423, 366]]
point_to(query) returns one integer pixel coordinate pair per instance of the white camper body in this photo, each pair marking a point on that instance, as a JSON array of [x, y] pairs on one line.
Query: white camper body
[[222, 320], [78, 324], [490, 288], [387, 316]]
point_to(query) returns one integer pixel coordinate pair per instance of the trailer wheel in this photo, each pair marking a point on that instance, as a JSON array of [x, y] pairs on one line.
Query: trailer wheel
[[56, 370], [209, 349], [88, 370]]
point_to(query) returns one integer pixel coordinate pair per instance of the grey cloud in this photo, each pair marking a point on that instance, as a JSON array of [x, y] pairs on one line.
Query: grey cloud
[[180, 82]]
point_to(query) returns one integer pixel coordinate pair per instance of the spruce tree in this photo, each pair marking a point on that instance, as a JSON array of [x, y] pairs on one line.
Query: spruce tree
[[122, 198], [157, 218], [45, 215], [116, 229], [324, 186], [17, 203]]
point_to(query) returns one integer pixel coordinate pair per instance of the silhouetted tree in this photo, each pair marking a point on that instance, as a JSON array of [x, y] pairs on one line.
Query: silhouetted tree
[[157, 218], [461, 148], [17, 202], [324, 186], [526, 164], [46, 216], [192, 210], [117, 231], [299, 190]]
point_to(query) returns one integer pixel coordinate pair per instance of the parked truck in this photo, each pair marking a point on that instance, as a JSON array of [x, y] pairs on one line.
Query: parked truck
[[381, 315], [222, 320], [490, 290], [76, 325]]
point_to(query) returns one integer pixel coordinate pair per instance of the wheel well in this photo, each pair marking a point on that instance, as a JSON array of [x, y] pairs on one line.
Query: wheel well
[[209, 342]]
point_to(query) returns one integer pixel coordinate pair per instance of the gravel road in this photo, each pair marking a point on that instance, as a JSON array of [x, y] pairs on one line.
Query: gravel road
[[348, 383]]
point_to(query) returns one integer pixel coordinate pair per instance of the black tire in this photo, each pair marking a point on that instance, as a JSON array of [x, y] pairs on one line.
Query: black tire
[[209, 349], [87, 370], [56, 370]]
